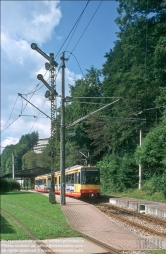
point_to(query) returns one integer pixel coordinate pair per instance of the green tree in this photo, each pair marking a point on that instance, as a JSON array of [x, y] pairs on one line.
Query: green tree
[[152, 152], [25, 144], [81, 105], [118, 173]]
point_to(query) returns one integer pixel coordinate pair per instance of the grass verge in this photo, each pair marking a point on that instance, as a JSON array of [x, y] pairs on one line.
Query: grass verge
[[33, 210], [10, 229]]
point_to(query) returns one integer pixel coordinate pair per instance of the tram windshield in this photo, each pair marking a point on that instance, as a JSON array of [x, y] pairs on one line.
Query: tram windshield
[[90, 176]]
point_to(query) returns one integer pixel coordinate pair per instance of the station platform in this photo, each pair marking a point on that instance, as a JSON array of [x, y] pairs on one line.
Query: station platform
[[90, 221], [142, 206]]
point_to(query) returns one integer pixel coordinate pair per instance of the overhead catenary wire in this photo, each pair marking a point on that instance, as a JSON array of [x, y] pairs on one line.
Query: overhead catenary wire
[[22, 110], [37, 117], [101, 98], [84, 117], [80, 97], [10, 114], [76, 61], [33, 105], [32, 92], [87, 26], [34, 116], [73, 28], [76, 24]]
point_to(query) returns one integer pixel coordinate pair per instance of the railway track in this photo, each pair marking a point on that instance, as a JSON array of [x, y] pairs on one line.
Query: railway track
[[119, 214], [40, 244], [144, 223], [44, 248]]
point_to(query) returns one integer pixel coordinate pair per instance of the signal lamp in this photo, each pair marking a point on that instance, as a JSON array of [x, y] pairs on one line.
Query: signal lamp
[[47, 66], [47, 94]]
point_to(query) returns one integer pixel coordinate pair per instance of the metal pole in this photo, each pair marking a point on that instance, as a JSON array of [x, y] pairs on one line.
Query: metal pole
[[13, 173], [140, 167], [53, 130], [62, 136]]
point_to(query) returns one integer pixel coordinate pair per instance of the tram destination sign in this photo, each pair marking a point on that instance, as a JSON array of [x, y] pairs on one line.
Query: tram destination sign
[[92, 169]]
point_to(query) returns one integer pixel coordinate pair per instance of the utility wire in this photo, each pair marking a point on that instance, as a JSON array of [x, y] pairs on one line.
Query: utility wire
[[76, 61], [32, 92], [37, 117], [18, 116], [33, 105], [68, 97], [73, 32], [73, 27], [128, 106], [87, 26], [10, 114]]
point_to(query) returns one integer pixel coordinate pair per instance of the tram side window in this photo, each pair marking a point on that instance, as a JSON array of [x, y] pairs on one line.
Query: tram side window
[[40, 182], [43, 181], [36, 182], [55, 180], [71, 178]]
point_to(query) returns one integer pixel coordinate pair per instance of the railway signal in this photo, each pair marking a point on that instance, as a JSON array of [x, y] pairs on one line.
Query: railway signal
[[47, 66], [51, 94]]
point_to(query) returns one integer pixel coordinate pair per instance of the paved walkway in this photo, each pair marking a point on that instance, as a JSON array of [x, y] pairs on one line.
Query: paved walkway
[[90, 221]]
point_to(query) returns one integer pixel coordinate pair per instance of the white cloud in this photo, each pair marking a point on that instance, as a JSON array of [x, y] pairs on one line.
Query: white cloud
[[71, 77], [25, 125], [30, 19], [9, 141], [24, 22]]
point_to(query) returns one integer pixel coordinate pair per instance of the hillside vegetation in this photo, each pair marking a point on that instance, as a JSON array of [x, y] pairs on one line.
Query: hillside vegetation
[[132, 81]]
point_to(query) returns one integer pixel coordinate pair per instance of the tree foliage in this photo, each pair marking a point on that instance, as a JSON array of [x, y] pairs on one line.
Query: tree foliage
[[127, 95], [26, 143]]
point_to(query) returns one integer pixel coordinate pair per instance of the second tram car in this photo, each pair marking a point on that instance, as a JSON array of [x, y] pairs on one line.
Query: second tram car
[[81, 181]]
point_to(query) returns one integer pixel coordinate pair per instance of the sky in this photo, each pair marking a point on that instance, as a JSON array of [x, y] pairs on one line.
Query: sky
[[48, 24]]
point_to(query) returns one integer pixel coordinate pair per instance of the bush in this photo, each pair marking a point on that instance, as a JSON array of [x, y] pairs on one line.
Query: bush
[[9, 184], [157, 183], [118, 173]]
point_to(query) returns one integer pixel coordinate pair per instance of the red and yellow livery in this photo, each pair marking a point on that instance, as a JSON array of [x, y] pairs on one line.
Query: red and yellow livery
[[81, 181]]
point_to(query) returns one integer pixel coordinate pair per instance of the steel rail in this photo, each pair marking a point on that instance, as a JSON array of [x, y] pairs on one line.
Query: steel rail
[[105, 209], [42, 245]]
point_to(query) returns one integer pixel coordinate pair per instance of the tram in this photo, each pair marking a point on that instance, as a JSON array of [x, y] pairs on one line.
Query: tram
[[81, 181]]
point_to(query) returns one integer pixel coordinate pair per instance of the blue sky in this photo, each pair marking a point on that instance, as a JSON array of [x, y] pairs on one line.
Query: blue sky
[[47, 23]]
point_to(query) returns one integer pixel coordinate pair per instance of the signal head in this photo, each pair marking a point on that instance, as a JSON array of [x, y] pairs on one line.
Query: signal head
[[40, 76], [47, 66], [34, 46], [47, 94]]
